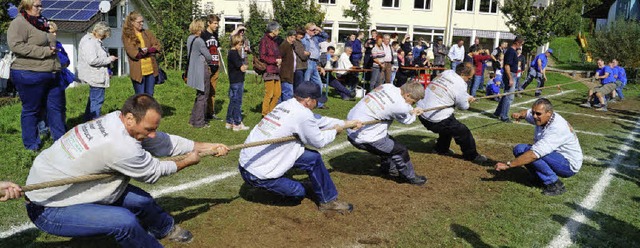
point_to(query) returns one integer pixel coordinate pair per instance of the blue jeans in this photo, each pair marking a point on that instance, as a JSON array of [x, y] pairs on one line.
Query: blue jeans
[[311, 162], [94, 104], [39, 93], [547, 168], [477, 81], [234, 112], [298, 77], [505, 102], [134, 220], [287, 91], [454, 64], [311, 74], [145, 86], [619, 89], [376, 78], [393, 75]]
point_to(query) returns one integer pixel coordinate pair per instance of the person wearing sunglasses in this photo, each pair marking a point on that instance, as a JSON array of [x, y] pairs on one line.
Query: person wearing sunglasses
[[555, 152]]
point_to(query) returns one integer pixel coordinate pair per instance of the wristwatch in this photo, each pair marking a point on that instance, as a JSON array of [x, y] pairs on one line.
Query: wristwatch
[[509, 164]]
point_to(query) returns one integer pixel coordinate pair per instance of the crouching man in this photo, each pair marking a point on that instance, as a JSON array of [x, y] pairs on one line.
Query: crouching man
[[555, 151], [121, 142], [264, 166], [388, 103]]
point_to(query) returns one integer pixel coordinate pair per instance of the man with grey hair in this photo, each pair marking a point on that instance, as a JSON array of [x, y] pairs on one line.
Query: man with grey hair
[[388, 58], [270, 55], [388, 103], [311, 41], [555, 152], [450, 89]]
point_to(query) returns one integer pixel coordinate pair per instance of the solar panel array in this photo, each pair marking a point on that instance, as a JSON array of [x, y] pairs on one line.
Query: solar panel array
[[64, 10]]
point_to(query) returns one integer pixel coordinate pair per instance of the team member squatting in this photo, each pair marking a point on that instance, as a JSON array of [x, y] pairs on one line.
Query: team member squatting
[[264, 166], [121, 142], [450, 89], [555, 152], [387, 103]]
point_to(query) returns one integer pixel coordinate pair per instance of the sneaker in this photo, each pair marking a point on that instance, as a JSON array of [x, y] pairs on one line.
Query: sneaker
[[506, 121], [228, 125], [555, 188], [336, 206], [240, 127], [417, 180], [602, 109], [585, 105], [613, 101], [179, 235], [480, 159]]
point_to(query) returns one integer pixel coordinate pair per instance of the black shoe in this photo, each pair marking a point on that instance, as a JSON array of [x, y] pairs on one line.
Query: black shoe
[[353, 94], [324, 107], [506, 120], [555, 188], [209, 117], [417, 180]]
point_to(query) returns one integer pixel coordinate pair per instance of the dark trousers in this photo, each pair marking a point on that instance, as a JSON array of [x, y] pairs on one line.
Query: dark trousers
[[394, 157], [452, 128], [200, 107], [298, 77]]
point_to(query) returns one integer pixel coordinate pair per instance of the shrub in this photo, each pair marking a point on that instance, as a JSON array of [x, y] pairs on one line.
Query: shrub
[[618, 41]]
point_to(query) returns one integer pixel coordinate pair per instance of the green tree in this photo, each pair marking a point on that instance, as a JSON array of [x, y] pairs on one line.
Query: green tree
[[172, 28], [292, 14], [571, 21], [535, 25], [618, 41], [359, 12], [256, 24]]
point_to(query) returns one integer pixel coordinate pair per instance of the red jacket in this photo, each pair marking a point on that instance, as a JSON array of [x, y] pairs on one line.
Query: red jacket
[[269, 52]]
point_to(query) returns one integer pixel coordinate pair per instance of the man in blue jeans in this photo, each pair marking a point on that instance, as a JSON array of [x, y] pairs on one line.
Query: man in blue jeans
[[311, 41], [555, 152], [510, 80], [264, 166], [122, 143]]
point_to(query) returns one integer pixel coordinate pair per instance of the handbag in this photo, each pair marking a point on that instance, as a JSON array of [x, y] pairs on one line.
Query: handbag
[[162, 76], [186, 71], [258, 66], [5, 65]]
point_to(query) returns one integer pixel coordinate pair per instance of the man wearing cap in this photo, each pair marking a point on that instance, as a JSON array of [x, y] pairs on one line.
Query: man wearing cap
[[387, 103], [537, 71], [264, 166]]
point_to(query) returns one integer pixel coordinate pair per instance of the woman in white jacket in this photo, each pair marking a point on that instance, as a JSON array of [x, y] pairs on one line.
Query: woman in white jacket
[[93, 67]]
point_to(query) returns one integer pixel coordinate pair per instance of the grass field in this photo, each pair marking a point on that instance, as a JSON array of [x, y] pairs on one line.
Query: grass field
[[462, 205]]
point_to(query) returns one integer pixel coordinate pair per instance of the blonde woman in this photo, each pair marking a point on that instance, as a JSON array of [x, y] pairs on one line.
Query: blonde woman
[[93, 67], [141, 47], [198, 73]]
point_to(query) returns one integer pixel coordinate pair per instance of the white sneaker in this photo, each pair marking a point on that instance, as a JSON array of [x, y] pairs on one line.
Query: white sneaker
[[240, 127], [228, 125]]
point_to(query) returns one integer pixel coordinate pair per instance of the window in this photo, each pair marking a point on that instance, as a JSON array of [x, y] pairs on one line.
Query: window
[[231, 23], [391, 3], [327, 1], [464, 5], [422, 4], [112, 18], [346, 29], [489, 6], [429, 34]]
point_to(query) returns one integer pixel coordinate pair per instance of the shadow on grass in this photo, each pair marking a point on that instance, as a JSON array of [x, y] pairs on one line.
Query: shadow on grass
[[188, 208], [29, 238], [263, 196], [517, 175], [469, 235], [219, 103], [609, 231]]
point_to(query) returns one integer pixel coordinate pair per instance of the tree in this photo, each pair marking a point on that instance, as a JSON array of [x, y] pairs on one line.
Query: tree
[[570, 21], [606, 43], [172, 28], [256, 24], [536, 25], [292, 14], [359, 12]]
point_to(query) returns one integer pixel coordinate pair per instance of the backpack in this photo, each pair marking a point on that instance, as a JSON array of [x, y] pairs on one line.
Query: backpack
[[259, 66]]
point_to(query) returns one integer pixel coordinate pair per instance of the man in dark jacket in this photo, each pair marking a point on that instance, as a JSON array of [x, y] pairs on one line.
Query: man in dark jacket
[[287, 67]]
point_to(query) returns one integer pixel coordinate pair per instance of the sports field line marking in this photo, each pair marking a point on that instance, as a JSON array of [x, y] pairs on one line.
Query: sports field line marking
[[596, 160], [570, 229], [13, 230]]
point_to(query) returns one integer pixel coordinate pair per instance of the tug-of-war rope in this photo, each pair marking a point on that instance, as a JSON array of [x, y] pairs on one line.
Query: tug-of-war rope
[[94, 177]]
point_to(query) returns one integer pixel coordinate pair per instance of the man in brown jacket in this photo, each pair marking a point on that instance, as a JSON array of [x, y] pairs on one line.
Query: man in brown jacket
[[301, 58], [287, 68]]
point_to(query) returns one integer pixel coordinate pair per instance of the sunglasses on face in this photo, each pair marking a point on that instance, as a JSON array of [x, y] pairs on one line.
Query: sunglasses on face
[[537, 113]]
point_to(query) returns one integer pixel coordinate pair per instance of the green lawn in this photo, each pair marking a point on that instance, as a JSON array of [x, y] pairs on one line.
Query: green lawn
[[491, 210]]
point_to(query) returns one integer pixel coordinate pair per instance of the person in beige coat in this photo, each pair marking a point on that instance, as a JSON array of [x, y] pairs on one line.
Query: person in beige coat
[[141, 47]]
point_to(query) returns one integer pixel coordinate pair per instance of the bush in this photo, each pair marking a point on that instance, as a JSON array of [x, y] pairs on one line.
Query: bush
[[618, 41]]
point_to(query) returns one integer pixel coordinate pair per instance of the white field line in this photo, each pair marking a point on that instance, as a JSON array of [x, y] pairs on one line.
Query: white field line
[[214, 178], [526, 123], [596, 160], [570, 229], [588, 115]]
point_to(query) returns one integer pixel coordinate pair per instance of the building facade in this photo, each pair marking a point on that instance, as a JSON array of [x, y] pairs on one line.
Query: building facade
[[449, 19]]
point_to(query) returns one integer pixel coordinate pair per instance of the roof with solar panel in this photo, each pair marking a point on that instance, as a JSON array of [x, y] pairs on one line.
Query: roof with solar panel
[[63, 10]]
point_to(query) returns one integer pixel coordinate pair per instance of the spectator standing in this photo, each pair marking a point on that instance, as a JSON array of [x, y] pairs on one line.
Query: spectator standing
[[356, 47], [538, 71], [141, 47], [456, 54], [479, 58], [93, 67], [270, 55], [510, 80], [388, 58], [314, 35], [377, 56], [476, 45], [246, 47], [368, 48], [236, 71], [288, 65], [210, 37], [199, 73], [439, 53], [33, 41], [555, 152], [301, 58]]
